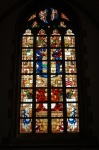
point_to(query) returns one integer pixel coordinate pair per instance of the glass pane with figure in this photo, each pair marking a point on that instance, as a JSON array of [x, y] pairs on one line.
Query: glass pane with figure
[[41, 54], [26, 110], [72, 125], [72, 110], [69, 40], [41, 67], [56, 67], [26, 95], [56, 54], [71, 95], [55, 40], [26, 125], [41, 39]]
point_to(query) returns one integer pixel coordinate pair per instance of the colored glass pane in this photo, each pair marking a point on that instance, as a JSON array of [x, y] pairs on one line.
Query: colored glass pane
[[54, 14], [41, 54], [26, 110], [25, 125], [27, 41], [57, 125], [56, 54], [69, 41], [26, 80], [72, 110], [41, 81], [32, 17], [41, 41], [35, 24], [27, 54], [43, 15], [55, 40], [71, 80], [41, 95], [56, 67], [70, 67], [56, 95], [27, 67], [56, 110], [72, 125], [56, 81], [70, 54], [41, 126], [49, 90], [71, 95], [26, 95], [41, 109], [41, 67], [64, 16], [62, 24]]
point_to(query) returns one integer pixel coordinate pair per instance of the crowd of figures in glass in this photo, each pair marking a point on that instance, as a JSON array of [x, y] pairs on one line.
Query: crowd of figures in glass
[[49, 75]]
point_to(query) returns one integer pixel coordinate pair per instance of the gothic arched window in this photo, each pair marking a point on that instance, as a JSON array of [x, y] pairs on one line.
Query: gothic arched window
[[48, 83]]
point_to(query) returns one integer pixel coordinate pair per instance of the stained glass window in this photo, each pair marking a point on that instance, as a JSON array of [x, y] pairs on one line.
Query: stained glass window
[[49, 101]]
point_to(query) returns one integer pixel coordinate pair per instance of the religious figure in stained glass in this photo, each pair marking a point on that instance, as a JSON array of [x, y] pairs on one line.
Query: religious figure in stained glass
[[49, 75]]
